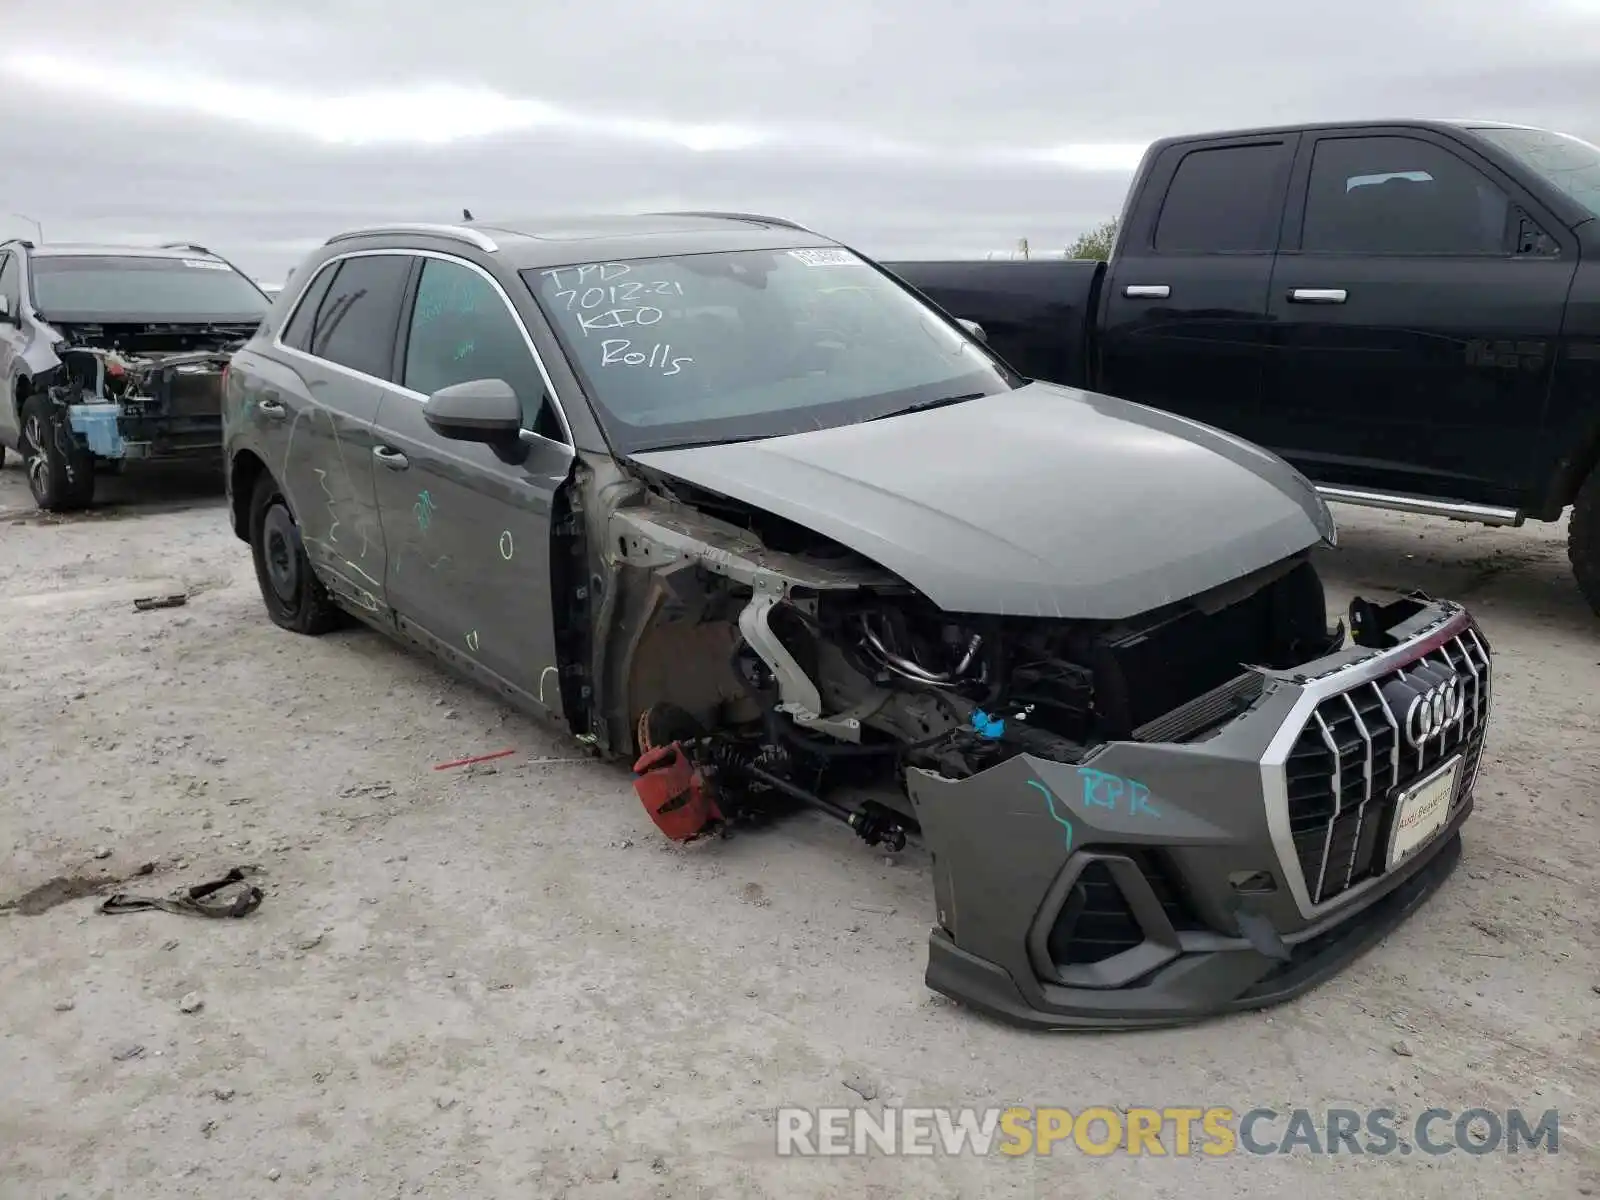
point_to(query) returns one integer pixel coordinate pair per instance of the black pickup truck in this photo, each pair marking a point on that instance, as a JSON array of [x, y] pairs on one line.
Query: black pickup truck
[[1407, 311]]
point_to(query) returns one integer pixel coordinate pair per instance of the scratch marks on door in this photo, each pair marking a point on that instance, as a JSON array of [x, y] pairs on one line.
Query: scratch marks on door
[[543, 675], [506, 546], [333, 513], [472, 640], [423, 509]]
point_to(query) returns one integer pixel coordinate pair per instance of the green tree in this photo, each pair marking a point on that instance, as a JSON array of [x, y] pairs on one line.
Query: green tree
[[1096, 243]]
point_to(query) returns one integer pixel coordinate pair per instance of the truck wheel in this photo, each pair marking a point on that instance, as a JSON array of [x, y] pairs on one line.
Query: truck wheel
[[1583, 539], [60, 468], [294, 596]]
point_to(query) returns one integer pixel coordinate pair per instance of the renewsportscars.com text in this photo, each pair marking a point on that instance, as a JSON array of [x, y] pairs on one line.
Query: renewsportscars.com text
[[1177, 1131]]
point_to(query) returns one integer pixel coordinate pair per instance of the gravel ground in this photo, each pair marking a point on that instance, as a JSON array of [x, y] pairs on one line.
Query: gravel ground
[[500, 982]]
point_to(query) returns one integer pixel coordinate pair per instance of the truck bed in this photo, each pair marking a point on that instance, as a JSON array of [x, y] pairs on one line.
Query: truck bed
[[1038, 314]]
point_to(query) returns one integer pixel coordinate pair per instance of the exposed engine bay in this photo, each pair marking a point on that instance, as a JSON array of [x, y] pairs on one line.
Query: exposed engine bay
[[832, 677], [144, 391]]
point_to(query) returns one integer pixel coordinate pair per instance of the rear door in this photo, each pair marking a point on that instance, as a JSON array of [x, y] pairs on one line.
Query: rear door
[[314, 411], [468, 533], [1186, 322], [1418, 299], [12, 340]]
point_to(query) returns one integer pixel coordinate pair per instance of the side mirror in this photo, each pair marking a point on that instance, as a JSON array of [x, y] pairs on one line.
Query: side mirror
[[479, 410], [974, 329], [6, 315]]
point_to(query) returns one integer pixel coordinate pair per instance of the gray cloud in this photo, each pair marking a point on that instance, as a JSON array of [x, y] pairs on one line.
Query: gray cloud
[[954, 81]]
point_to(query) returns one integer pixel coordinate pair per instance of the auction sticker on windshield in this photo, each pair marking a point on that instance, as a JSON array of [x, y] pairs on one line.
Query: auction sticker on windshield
[[205, 264], [1422, 810], [826, 258]]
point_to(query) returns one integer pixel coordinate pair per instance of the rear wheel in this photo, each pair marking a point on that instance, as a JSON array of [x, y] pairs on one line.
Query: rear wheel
[[1583, 539], [294, 597], [60, 469]]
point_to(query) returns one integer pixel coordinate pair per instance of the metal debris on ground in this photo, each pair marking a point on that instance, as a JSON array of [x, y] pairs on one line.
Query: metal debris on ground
[[146, 603]]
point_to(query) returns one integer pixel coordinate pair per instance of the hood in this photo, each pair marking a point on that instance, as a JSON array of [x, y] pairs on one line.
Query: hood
[[1043, 501]]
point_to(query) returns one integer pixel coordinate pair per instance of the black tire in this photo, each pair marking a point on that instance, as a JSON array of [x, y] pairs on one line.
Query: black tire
[[294, 596], [1583, 539], [60, 468]]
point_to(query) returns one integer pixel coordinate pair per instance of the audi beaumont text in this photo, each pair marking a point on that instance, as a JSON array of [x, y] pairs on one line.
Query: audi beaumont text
[[1177, 1131]]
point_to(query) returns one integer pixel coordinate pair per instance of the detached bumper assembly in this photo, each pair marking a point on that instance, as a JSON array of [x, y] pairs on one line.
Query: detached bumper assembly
[[1161, 882]]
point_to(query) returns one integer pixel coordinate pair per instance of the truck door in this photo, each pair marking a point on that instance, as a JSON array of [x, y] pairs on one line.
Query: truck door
[[1418, 299], [1185, 323]]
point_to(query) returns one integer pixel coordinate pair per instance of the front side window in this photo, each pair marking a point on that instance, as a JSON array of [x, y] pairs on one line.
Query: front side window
[[129, 288], [1561, 160], [745, 344], [1400, 195], [297, 333], [461, 330], [359, 314]]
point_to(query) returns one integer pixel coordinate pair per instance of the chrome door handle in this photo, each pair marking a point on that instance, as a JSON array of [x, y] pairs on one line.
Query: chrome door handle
[[1147, 291], [1318, 296], [390, 458], [271, 408]]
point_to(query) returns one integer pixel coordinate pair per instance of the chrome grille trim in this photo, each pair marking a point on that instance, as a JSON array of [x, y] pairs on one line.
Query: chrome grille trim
[[1348, 702]]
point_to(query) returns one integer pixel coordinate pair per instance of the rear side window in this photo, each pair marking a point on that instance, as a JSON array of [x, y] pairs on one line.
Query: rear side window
[[297, 333], [357, 318], [1227, 200], [11, 283], [1400, 195]]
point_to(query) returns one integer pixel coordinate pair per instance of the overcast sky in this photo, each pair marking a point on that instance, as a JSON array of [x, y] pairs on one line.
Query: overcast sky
[[906, 127]]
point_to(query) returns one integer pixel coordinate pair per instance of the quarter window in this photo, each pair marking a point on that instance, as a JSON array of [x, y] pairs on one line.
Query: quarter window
[[461, 330], [1227, 200], [297, 333], [1400, 195], [357, 317]]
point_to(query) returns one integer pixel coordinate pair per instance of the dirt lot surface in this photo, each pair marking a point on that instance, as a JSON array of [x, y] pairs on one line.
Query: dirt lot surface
[[500, 982]]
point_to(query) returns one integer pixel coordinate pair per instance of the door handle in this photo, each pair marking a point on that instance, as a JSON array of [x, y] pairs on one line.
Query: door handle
[[390, 457], [1318, 296], [1147, 291], [271, 408]]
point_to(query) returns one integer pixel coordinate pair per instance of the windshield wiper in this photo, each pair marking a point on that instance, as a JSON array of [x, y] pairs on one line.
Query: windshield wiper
[[925, 405]]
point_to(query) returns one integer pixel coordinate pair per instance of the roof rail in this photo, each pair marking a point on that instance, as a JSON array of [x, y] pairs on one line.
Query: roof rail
[[781, 222], [184, 246], [459, 233]]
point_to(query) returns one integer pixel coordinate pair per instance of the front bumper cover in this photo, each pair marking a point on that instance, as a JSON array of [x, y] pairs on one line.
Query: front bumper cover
[[1162, 882]]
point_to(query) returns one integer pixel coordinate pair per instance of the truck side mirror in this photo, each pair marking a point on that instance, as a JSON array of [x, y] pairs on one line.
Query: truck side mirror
[[6, 315]]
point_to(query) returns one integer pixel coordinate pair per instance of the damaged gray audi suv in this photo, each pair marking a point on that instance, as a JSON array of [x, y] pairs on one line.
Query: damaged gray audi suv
[[723, 498]]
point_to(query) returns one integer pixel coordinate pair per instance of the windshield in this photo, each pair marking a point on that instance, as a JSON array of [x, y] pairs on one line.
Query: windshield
[[754, 343], [114, 288], [1563, 161]]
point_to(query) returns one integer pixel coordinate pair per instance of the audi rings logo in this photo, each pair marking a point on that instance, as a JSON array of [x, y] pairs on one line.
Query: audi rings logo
[[1435, 710]]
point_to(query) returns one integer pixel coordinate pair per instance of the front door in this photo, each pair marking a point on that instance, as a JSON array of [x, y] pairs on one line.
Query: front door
[[1185, 311], [468, 533], [1417, 308]]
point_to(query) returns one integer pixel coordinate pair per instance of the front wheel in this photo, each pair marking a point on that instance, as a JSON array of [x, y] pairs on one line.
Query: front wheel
[[294, 596], [60, 469], [1583, 539]]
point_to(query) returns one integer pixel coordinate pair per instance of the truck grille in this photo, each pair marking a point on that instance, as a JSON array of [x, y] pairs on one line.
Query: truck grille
[[1350, 762]]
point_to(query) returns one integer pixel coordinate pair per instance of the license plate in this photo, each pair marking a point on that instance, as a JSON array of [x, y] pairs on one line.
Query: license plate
[[1423, 809]]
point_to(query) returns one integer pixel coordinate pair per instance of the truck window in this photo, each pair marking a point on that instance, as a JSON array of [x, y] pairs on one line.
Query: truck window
[[1226, 200], [1562, 160], [1400, 195]]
